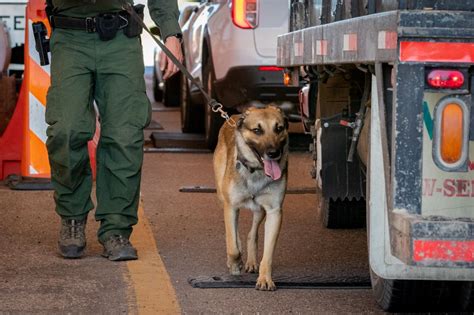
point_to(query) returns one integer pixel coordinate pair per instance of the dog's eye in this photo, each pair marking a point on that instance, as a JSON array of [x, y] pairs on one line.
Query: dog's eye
[[257, 131], [279, 129]]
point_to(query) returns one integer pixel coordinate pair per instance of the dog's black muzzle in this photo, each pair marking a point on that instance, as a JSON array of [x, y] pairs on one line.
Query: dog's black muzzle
[[273, 154]]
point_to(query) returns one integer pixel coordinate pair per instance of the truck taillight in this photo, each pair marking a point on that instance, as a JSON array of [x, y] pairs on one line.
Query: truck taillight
[[451, 140], [445, 79], [245, 13], [270, 68]]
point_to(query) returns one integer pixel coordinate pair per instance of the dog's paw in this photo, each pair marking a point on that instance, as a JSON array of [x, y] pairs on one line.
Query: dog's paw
[[235, 269], [251, 267], [265, 284]]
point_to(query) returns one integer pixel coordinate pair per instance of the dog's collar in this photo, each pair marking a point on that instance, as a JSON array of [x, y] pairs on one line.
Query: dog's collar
[[244, 162]]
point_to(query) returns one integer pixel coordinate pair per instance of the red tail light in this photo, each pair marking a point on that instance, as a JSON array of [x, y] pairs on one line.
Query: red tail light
[[445, 79], [245, 13], [270, 68]]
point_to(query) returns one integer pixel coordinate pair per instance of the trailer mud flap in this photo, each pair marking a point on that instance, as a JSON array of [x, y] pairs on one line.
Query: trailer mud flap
[[340, 179]]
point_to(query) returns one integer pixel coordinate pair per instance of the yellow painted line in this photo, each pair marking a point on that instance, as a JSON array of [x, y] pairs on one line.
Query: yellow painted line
[[154, 293]]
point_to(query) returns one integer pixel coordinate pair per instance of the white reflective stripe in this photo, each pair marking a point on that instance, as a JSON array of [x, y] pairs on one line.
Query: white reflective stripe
[[298, 49], [387, 40], [33, 171], [37, 118], [321, 47], [381, 39], [350, 42], [34, 55]]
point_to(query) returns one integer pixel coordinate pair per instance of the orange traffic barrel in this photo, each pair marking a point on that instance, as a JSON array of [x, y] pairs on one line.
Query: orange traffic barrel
[[36, 80], [35, 161]]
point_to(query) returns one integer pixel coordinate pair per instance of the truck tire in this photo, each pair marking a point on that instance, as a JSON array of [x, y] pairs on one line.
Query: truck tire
[[416, 295], [157, 92], [212, 121], [171, 94], [342, 214], [192, 116], [467, 296]]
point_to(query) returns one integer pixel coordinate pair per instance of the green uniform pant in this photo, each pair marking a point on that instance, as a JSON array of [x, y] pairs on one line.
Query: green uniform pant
[[85, 69]]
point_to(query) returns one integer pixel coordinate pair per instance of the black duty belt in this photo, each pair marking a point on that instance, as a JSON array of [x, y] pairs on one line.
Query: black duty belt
[[88, 24]]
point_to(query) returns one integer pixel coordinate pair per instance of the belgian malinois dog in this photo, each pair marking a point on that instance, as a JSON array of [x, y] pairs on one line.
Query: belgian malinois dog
[[250, 167]]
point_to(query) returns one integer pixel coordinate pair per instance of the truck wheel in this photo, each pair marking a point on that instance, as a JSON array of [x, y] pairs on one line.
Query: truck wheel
[[467, 296], [342, 214], [192, 116], [157, 92], [421, 295], [213, 121], [172, 90]]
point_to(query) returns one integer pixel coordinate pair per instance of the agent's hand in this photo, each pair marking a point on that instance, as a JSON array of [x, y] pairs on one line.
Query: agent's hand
[[168, 68]]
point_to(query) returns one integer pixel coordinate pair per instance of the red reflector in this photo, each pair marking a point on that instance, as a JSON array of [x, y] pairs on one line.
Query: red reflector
[[436, 250], [269, 68], [446, 79]]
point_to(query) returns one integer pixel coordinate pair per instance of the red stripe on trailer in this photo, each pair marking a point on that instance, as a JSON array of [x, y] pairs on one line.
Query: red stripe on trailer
[[298, 49], [441, 250], [436, 51], [321, 47], [387, 40], [350, 42]]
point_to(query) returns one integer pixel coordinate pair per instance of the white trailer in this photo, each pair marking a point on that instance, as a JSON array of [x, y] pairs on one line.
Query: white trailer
[[388, 100]]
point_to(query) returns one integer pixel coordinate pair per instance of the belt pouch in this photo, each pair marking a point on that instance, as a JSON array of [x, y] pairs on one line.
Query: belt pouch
[[107, 25], [134, 28]]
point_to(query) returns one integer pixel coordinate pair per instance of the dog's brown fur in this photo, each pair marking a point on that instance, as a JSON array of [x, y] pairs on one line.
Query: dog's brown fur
[[242, 182]]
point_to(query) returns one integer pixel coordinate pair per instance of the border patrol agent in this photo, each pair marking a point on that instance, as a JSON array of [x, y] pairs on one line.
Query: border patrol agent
[[96, 55]]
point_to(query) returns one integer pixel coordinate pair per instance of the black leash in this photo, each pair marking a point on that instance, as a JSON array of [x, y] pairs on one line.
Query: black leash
[[212, 103]]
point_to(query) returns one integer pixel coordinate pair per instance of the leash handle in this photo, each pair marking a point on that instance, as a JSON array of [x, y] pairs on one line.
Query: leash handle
[[216, 107]]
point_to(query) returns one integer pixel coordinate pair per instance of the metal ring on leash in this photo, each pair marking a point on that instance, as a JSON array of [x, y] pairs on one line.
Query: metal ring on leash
[[216, 107]]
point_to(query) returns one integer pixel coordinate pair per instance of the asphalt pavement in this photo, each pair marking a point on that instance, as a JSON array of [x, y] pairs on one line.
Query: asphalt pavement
[[182, 238], [189, 230]]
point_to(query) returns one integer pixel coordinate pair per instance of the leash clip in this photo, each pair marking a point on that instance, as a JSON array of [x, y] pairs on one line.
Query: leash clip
[[216, 107]]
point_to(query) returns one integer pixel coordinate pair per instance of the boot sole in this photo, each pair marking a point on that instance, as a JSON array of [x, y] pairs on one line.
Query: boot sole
[[120, 257], [71, 252]]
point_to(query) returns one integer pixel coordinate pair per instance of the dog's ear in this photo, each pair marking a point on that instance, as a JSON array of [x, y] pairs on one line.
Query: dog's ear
[[287, 124], [240, 122]]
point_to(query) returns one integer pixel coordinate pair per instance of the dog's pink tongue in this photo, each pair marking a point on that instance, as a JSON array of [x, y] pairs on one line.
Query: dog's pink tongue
[[272, 169]]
